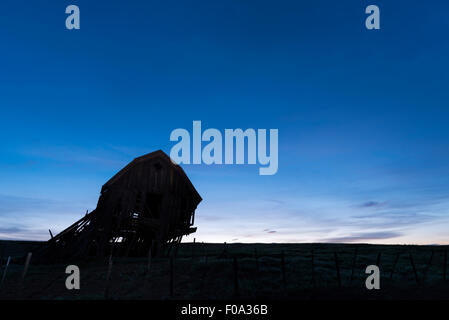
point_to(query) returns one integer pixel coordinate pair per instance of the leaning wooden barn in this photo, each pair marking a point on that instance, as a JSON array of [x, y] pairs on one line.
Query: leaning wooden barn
[[149, 204]]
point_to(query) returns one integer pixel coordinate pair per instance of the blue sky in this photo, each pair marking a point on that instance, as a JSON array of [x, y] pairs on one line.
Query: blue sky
[[362, 115]]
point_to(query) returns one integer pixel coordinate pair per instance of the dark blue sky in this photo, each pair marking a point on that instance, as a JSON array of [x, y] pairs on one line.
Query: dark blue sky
[[362, 115]]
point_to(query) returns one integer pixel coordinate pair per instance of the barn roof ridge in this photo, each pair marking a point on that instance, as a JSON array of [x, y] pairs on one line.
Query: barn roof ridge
[[152, 155]]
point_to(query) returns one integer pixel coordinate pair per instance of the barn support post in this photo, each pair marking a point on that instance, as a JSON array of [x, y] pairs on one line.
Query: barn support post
[[130, 244], [148, 270], [159, 246], [169, 246], [177, 245], [139, 247]]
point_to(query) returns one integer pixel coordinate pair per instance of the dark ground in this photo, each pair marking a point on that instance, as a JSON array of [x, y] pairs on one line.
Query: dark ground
[[208, 271]]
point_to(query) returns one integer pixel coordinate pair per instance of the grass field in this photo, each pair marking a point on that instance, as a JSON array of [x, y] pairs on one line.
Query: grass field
[[242, 271]]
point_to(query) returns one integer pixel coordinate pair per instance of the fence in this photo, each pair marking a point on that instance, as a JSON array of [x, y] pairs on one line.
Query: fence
[[235, 272]]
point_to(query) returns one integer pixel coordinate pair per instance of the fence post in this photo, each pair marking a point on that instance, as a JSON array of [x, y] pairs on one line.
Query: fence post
[[204, 252], [171, 277], [284, 281], [445, 265], [108, 276], [313, 269], [236, 279], [354, 261], [25, 268], [337, 266], [147, 271], [428, 266], [193, 247], [378, 259], [414, 268], [225, 250], [257, 259], [2, 249], [394, 265], [149, 261], [4, 271]]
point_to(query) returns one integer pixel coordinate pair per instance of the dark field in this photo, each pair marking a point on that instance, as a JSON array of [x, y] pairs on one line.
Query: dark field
[[240, 271]]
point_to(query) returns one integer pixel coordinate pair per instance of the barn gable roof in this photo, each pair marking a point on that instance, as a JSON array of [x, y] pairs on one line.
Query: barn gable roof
[[158, 154]]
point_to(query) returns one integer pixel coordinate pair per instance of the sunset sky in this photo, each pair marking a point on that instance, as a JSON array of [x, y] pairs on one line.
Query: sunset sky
[[363, 115]]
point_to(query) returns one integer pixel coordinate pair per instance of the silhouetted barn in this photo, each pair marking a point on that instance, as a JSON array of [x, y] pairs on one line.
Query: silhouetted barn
[[150, 203]]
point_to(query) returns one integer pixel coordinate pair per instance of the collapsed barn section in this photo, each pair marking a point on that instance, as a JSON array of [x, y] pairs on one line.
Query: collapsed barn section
[[147, 207]]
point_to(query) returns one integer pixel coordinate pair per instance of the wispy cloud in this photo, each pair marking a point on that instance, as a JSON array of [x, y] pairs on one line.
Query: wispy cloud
[[364, 236], [11, 230], [22, 231], [26, 234], [73, 155], [371, 204], [14, 204], [397, 219], [30, 218]]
